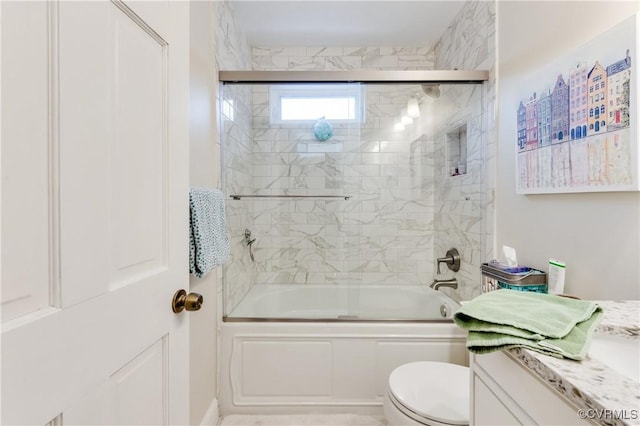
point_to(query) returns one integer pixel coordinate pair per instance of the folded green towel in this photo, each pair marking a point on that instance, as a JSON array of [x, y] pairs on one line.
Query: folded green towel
[[553, 325], [573, 346]]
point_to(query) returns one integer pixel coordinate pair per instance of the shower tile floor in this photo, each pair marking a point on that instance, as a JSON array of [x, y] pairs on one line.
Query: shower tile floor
[[303, 420]]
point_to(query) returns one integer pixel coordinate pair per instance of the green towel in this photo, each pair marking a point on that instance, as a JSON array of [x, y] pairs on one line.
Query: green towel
[[553, 325]]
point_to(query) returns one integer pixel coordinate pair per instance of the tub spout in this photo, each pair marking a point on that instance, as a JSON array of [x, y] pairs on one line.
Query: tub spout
[[436, 284]]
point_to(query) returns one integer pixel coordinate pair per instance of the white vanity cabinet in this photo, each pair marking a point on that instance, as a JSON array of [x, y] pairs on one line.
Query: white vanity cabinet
[[504, 392]]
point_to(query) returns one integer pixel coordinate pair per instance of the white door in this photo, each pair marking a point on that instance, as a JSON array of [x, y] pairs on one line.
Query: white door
[[94, 212]]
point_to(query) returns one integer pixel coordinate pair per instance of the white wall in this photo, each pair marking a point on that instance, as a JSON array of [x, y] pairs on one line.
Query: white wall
[[597, 234], [204, 171]]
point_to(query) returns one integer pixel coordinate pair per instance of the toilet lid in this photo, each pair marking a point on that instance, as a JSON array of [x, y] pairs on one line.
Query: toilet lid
[[434, 390]]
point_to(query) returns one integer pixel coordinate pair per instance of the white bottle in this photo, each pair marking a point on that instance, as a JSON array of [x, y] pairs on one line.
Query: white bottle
[[556, 276]]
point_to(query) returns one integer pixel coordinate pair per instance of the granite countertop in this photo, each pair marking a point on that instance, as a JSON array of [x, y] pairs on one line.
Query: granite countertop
[[589, 383]]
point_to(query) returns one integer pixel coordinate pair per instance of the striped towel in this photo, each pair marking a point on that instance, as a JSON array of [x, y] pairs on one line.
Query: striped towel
[[208, 237]]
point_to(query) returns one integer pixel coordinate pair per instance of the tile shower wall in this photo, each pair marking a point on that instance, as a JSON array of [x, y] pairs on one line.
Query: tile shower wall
[[343, 58], [464, 204], [386, 243], [459, 198], [384, 233], [404, 212], [233, 52], [299, 240]]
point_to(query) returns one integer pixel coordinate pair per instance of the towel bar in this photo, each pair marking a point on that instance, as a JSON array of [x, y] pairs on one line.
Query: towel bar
[[239, 197]]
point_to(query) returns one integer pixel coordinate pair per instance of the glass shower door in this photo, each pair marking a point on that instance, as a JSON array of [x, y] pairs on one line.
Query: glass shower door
[[287, 167], [347, 206]]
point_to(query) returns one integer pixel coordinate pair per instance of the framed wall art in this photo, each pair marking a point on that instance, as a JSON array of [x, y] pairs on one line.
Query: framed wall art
[[577, 119]]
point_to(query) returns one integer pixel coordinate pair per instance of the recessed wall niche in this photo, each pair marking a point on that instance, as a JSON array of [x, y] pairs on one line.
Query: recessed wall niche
[[457, 151]]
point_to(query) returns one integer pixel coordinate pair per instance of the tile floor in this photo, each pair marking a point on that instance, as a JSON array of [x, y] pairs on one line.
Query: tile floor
[[303, 420]]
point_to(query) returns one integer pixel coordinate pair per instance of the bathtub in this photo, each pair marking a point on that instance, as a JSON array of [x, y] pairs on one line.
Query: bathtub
[[329, 349], [339, 302]]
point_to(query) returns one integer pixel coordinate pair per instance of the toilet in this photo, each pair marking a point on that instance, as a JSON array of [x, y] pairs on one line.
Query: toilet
[[428, 393]]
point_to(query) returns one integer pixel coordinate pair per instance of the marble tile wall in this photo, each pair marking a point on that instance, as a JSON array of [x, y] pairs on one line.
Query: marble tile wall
[[404, 211], [235, 121], [343, 58], [384, 233], [460, 199], [465, 204]]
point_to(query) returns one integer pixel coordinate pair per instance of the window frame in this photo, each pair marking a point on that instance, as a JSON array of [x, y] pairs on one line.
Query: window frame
[[316, 90]]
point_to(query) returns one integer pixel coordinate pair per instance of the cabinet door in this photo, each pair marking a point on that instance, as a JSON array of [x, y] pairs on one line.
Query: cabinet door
[[507, 384], [488, 409]]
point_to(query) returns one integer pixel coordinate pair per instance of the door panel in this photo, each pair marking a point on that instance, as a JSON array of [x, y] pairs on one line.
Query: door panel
[[138, 166], [25, 166], [143, 382], [115, 174], [85, 84]]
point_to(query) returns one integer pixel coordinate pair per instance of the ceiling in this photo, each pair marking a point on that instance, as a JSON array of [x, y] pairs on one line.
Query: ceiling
[[344, 23]]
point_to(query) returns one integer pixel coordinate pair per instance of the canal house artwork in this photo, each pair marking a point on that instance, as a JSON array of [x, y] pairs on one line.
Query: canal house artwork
[[578, 133]]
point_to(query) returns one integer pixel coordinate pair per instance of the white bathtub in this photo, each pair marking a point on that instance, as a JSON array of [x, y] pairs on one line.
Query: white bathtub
[[321, 363], [331, 302]]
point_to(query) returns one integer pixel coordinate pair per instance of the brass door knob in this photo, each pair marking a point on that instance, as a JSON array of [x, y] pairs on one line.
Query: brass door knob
[[182, 300]]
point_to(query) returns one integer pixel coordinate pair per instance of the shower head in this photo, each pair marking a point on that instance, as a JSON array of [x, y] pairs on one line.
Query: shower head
[[431, 89]]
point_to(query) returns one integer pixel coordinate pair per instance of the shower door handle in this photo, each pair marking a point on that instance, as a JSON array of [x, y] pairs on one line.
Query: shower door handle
[[190, 302]]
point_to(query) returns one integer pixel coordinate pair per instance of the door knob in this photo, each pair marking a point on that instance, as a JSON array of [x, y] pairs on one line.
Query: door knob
[[182, 300]]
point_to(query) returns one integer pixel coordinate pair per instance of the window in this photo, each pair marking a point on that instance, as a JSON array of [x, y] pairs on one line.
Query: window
[[310, 102], [601, 109], [591, 112]]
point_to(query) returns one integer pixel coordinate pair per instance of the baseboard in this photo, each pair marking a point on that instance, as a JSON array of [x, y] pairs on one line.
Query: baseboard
[[212, 416]]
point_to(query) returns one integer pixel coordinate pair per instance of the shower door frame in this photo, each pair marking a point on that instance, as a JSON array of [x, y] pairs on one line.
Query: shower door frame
[[428, 77], [355, 76]]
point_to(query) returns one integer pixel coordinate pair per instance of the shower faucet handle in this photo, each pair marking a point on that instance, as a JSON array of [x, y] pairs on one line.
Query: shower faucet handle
[[452, 259]]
